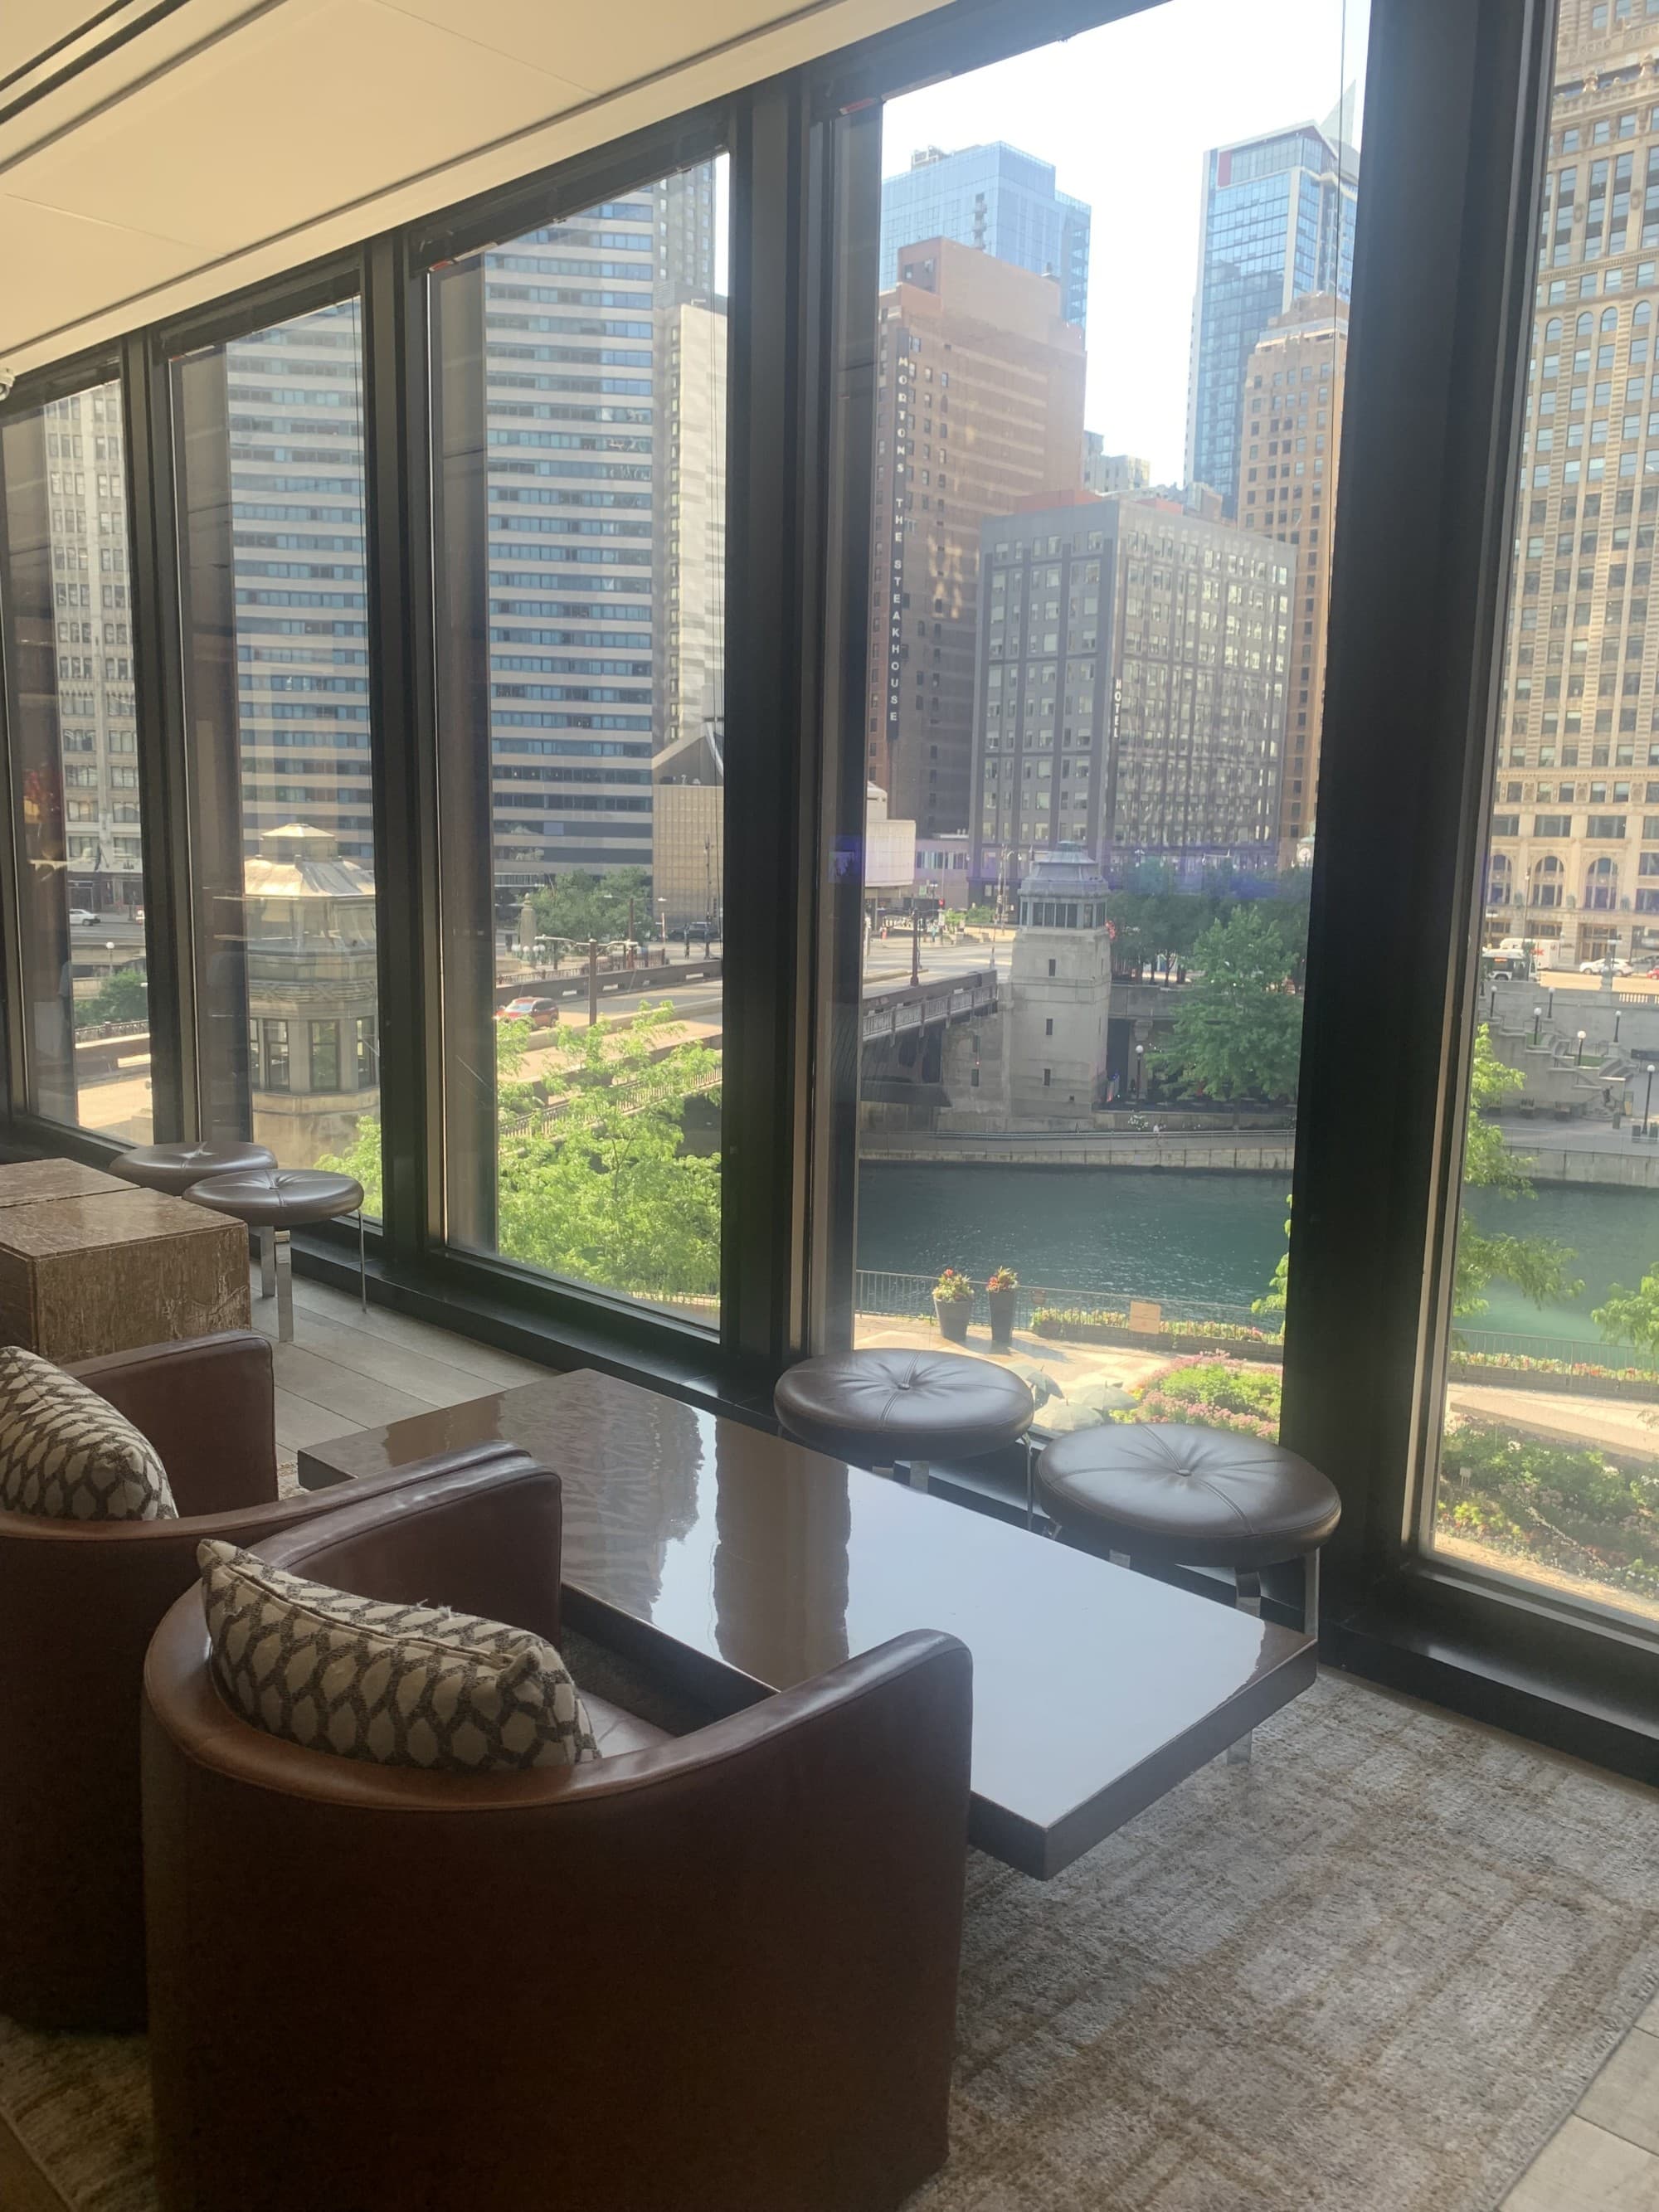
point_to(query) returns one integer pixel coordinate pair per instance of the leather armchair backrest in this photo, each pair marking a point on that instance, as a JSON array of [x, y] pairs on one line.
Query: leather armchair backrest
[[486, 1542], [79, 1602]]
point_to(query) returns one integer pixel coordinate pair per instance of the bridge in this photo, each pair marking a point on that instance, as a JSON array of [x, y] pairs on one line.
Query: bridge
[[903, 1031]]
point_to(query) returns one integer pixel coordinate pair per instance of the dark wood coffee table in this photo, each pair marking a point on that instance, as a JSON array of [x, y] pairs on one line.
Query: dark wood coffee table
[[739, 1564]]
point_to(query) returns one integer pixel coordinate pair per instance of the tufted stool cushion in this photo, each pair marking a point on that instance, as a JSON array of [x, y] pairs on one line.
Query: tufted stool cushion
[[1195, 1497], [876, 1408], [175, 1167], [280, 1198]]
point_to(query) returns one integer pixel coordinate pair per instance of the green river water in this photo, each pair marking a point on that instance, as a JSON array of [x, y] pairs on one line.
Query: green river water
[[1200, 1242]]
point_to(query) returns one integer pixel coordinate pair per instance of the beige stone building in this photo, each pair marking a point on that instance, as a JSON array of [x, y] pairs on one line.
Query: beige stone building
[[313, 979], [979, 403], [688, 853], [689, 541], [1575, 826], [1293, 387]]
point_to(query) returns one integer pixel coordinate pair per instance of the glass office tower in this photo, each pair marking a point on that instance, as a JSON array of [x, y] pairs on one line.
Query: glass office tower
[[998, 199], [1278, 225]]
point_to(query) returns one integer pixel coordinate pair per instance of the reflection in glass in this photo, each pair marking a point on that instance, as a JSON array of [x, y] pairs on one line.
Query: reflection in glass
[[1549, 1466], [270, 435], [578, 420], [1101, 510], [64, 604]]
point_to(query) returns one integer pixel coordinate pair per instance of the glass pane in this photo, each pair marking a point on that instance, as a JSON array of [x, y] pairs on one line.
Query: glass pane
[[1549, 1466], [64, 601], [270, 439], [1103, 516], [580, 496]]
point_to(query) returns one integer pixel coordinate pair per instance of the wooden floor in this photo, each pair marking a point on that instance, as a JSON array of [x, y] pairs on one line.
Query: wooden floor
[[347, 1370]]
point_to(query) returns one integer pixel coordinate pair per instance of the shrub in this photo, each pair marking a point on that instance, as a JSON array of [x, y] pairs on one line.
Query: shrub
[[1214, 1394]]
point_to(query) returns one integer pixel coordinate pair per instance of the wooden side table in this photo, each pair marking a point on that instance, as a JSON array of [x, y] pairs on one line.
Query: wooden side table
[[108, 1272]]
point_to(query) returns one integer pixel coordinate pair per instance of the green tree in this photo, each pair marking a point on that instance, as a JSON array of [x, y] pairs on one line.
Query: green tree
[[122, 996], [1632, 1317], [582, 907], [593, 1179], [1536, 1266], [1271, 1300], [1238, 1030]]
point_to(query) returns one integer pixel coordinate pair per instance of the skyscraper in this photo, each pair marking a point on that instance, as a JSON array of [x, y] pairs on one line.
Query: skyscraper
[[92, 623], [979, 402], [1277, 224], [1575, 838], [998, 199], [1131, 685], [1293, 388], [297, 504], [579, 337]]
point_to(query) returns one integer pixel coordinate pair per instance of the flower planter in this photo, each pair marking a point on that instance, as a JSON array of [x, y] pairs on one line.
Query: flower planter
[[1002, 1304], [952, 1316]]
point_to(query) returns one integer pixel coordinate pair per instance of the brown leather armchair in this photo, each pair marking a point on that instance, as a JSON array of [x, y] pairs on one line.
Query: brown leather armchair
[[79, 1602], [710, 1973]]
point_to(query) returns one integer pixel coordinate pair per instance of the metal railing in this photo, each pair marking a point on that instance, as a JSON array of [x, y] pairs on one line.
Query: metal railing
[[878, 1291], [1575, 1349]]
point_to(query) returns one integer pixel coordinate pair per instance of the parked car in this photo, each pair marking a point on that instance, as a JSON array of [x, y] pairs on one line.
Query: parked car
[[82, 917], [540, 1013], [1594, 967]]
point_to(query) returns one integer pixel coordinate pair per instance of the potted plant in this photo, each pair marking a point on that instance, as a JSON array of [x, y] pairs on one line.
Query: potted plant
[[1002, 1295], [953, 1304]]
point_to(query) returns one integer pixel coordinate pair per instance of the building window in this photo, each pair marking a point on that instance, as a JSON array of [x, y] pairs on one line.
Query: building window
[[325, 1056]]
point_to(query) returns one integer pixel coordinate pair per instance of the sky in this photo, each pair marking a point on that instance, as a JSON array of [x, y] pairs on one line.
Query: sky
[[1126, 113]]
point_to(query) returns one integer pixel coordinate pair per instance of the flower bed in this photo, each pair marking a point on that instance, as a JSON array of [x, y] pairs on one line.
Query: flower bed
[[1517, 1370], [1566, 1506], [1081, 1325], [1213, 1394]]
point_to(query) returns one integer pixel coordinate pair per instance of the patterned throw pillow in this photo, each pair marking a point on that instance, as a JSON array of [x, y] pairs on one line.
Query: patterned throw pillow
[[65, 1453], [404, 1684]]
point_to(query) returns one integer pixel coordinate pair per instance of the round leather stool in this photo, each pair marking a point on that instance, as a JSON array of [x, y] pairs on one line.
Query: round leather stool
[[880, 1409], [1194, 1498], [175, 1167], [273, 1200]]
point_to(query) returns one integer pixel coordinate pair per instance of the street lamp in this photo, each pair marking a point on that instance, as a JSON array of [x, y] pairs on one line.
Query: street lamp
[[1647, 1103], [1140, 1071], [1537, 1016], [1579, 1062]]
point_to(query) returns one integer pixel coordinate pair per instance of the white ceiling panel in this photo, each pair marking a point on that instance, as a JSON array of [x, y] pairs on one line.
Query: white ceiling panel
[[239, 138], [252, 137], [29, 26], [597, 46], [58, 261]]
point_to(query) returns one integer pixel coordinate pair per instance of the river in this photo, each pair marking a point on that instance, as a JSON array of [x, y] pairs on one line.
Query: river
[[1202, 1242]]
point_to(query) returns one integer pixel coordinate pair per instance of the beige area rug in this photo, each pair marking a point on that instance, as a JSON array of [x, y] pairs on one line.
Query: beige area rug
[[1369, 1973]]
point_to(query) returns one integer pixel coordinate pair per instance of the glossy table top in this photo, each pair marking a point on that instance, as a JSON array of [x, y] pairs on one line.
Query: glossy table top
[[755, 1564]]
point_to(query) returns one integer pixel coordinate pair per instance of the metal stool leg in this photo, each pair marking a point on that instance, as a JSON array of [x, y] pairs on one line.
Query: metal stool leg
[[919, 1473], [284, 1287], [1311, 1596], [1248, 1599], [1031, 1482], [1120, 1559], [887, 1471], [362, 1265], [267, 1263]]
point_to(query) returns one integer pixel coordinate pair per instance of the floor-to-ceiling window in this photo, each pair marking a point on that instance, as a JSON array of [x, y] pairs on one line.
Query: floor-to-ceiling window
[[1548, 1464], [1111, 355], [268, 432], [579, 484], [68, 651]]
